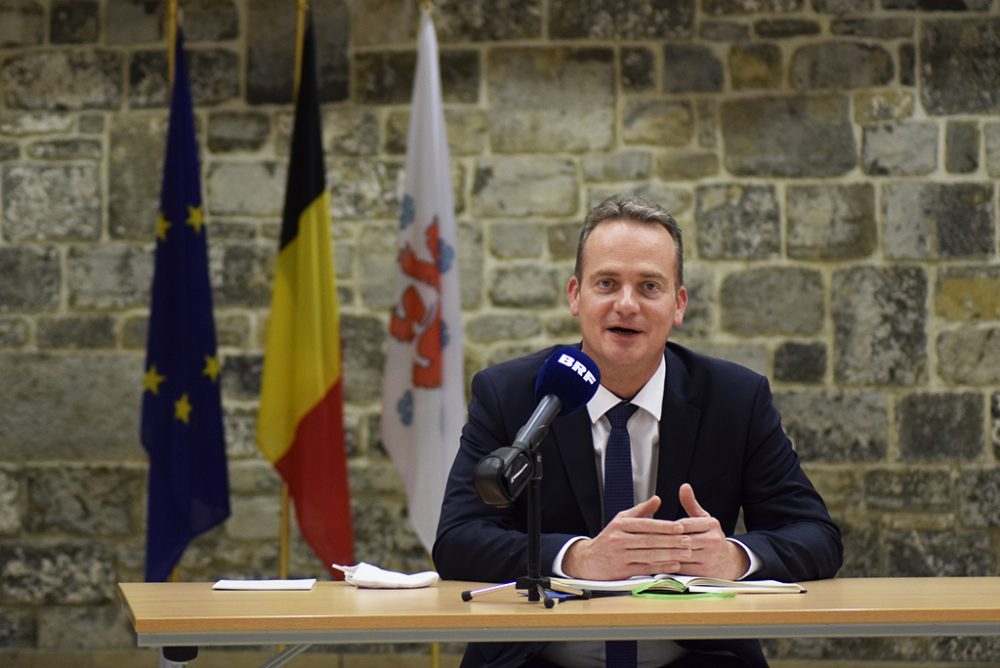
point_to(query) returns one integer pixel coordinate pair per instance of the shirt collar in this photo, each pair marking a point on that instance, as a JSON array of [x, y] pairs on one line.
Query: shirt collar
[[649, 398]]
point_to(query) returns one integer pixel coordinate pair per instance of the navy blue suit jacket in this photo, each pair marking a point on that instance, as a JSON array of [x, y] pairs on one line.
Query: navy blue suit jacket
[[719, 431]]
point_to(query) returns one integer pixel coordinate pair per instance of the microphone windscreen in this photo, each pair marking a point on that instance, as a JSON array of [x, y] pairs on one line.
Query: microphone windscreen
[[570, 375]]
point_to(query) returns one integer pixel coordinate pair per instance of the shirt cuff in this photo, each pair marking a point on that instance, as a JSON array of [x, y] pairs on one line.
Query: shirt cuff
[[557, 563], [754, 559]]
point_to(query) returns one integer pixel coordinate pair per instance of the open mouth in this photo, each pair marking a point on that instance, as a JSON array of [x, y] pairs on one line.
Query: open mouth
[[624, 331]]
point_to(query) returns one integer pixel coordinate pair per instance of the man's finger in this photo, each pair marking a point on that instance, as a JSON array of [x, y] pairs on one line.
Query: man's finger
[[644, 509], [690, 503]]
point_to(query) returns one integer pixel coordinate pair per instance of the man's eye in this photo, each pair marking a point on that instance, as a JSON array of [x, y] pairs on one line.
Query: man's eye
[[651, 287]]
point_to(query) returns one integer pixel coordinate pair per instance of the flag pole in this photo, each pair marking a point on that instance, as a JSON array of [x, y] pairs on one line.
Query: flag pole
[[175, 574], [285, 529]]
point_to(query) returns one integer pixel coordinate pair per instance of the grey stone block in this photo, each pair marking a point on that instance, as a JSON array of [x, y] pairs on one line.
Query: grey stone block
[[551, 99], [836, 426], [785, 28], [22, 23], [968, 294], [493, 327], [108, 276], [488, 20], [363, 339], [657, 122], [924, 554], [745, 7], [755, 66], [245, 188], [32, 278], [517, 239], [52, 416], [880, 325], [9, 151], [796, 362], [863, 553], [526, 286], [56, 573], [524, 186], [962, 147], [940, 426], [237, 131], [134, 22], [789, 136], [979, 497], [831, 221], [960, 71], [241, 376], [14, 331], [687, 165], [378, 247], [723, 31], [17, 628], [842, 6], [877, 106], [92, 501], [245, 274], [76, 332], [562, 240], [772, 300], [240, 423], [903, 149], [84, 628], [43, 202], [65, 149], [991, 139], [137, 141], [699, 318], [938, 220], [211, 20], [364, 188], [62, 80], [875, 28], [637, 68], [913, 491], [737, 221], [74, 22], [630, 165], [12, 505], [839, 66], [691, 69], [621, 19], [969, 356]]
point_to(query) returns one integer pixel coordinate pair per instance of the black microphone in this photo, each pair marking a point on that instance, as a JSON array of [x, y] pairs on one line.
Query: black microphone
[[567, 380]]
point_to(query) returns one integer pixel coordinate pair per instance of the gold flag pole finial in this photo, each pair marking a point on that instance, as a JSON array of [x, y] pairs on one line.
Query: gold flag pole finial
[[301, 7], [171, 40], [427, 5]]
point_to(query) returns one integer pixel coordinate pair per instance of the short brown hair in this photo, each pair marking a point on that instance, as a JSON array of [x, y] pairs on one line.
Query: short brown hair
[[630, 208]]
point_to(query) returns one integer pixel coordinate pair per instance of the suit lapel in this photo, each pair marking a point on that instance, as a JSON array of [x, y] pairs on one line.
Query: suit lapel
[[678, 436], [574, 440]]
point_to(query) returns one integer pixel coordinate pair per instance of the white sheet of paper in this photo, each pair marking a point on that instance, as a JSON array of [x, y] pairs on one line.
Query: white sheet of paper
[[266, 585]]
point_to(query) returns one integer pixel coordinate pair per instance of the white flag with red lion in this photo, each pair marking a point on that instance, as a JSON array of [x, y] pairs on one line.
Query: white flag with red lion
[[423, 405]]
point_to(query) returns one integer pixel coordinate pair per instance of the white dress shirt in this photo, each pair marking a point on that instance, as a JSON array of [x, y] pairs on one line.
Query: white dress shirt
[[644, 435]]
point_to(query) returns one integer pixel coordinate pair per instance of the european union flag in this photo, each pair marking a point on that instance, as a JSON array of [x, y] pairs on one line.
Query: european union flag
[[181, 402]]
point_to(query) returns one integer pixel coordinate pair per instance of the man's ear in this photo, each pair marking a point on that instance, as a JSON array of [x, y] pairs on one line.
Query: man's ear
[[573, 295], [682, 304]]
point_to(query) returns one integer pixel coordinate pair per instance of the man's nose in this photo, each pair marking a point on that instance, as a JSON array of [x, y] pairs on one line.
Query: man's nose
[[626, 301]]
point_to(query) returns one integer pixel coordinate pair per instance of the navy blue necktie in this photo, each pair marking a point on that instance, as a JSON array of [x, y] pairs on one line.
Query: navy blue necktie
[[619, 496]]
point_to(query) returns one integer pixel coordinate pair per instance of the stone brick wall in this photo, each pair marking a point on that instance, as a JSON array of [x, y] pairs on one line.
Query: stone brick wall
[[833, 163]]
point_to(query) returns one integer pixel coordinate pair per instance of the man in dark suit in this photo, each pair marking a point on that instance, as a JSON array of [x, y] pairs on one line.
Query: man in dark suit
[[704, 443]]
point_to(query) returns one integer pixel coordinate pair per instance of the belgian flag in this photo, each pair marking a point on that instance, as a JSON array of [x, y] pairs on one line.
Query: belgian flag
[[300, 426]]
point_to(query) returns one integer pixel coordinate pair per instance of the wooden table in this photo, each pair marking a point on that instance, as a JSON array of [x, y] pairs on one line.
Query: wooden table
[[192, 614]]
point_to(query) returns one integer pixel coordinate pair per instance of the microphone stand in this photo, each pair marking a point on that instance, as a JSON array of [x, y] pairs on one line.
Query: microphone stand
[[537, 586]]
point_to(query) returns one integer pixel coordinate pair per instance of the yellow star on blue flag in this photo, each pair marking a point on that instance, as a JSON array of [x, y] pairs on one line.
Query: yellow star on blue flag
[[182, 431]]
